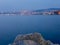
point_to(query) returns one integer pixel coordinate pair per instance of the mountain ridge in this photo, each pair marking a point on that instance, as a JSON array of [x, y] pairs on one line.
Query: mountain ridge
[[47, 9]]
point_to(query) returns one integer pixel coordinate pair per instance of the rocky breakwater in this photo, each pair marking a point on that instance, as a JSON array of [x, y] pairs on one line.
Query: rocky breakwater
[[31, 39]]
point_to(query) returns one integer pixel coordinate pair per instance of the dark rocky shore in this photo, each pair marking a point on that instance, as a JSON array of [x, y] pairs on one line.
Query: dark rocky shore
[[31, 39]]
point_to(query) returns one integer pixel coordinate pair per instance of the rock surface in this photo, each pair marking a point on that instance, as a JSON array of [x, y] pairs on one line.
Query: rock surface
[[31, 39]]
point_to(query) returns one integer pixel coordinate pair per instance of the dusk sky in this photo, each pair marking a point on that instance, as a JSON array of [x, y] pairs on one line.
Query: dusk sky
[[9, 5]]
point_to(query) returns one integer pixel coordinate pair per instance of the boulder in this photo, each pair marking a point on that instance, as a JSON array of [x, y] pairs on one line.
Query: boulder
[[31, 39]]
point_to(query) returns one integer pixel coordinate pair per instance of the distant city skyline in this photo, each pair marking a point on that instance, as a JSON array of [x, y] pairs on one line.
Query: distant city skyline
[[16, 5]]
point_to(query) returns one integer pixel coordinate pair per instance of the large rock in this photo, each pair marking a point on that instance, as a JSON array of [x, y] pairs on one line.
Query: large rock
[[31, 39]]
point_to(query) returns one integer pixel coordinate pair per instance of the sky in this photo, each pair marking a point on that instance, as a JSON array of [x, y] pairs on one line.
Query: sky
[[16, 5]]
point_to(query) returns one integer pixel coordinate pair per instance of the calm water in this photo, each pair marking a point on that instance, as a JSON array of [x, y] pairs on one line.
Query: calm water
[[11, 26]]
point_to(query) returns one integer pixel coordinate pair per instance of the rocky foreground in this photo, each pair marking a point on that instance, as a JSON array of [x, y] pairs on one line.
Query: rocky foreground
[[31, 39]]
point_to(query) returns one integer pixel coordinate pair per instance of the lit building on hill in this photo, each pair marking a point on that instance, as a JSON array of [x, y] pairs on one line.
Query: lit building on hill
[[57, 12]]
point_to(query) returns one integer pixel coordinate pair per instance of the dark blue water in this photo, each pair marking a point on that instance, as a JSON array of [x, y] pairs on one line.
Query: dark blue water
[[11, 26]]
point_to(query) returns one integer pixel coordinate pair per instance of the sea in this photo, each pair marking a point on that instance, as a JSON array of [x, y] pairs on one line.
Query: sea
[[47, 25]]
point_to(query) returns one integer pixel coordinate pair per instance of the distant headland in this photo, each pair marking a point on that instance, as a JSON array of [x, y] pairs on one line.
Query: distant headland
[[50, 11]]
